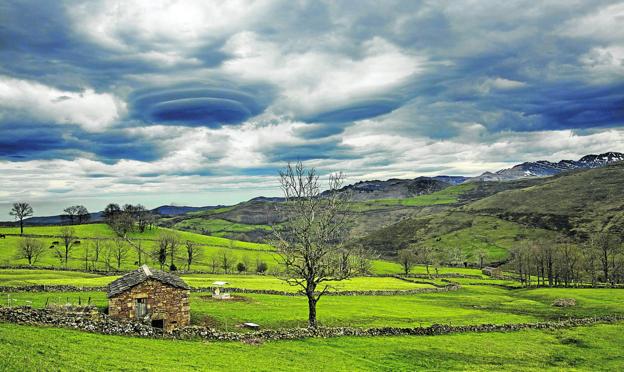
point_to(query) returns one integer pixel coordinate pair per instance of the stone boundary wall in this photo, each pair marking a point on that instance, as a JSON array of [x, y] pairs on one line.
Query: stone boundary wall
[[92, 321], [69, 288]]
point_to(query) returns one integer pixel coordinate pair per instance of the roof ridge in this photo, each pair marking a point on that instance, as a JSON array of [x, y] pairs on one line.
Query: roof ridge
[[146, 270]]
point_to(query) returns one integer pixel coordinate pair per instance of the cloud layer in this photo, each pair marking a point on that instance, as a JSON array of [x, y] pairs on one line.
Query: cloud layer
[[148, 98]]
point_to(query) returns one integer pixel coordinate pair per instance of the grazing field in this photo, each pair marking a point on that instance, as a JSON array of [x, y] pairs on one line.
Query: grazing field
[[24, 277], [211, 249], [217, 227], [99, 230], [472, 304], [586, 348]]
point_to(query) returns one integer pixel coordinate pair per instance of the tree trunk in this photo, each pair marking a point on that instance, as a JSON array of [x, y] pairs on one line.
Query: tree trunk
[[21, 226], [312, 311]]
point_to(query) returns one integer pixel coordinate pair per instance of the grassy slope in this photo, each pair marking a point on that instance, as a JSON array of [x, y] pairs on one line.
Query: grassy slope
[[99, 230], [217, 227], [582, 201], [588, 348], [467, 231]]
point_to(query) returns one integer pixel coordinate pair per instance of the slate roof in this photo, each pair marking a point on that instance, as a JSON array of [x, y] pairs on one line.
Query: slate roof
[[139, 276]]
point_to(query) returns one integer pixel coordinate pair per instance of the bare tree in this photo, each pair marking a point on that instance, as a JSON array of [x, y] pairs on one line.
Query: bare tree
[[30, 249], [68, 238], [482, 255], [21, 211], [167, 246], [425, 256], [227, 260], [407, 258], [120, 251], [141, 216], [85, 256], [309, 242], [192, 253], [76, 214], [97, 250], [214, 263], [606, 247]]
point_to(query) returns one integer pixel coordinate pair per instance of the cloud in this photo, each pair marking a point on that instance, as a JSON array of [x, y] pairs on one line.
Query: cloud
[[311, 81], [207, 104], [22, 99], [144, 99]]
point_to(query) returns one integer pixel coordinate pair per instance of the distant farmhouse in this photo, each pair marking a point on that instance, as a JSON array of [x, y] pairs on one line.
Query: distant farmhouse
[[150, 296]]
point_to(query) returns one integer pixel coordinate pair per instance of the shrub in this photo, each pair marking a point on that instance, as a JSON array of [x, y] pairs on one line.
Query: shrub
[[241, 267], [262, 267]]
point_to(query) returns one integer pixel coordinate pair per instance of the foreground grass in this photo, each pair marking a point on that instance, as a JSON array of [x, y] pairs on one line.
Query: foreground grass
[[587, 348]]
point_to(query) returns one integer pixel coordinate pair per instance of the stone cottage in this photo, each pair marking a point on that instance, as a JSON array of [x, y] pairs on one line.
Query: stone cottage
[[150, 296]]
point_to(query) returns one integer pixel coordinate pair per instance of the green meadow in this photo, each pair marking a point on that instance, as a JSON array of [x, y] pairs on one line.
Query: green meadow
[[595, 348]]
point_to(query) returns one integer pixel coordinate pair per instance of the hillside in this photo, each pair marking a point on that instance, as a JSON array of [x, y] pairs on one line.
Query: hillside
[[571, 204], [575, 203]]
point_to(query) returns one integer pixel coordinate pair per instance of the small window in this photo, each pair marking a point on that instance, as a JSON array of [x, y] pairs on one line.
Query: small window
[[158, 323], [141, 308]]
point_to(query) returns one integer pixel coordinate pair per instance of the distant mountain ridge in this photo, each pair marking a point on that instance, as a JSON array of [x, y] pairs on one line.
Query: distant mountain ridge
[[395, 188], [163, 210], [544, 168]]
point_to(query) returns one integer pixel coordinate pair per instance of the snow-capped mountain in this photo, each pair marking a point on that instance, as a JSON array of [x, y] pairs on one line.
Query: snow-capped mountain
[[543, 168]]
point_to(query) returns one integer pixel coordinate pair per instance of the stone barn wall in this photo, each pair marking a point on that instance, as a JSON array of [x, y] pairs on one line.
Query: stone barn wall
[[164, 302]]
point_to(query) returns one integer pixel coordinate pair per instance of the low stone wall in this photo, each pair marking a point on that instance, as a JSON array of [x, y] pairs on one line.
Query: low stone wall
[[69, 288], [93, 321], [51, 288], [397, 292]]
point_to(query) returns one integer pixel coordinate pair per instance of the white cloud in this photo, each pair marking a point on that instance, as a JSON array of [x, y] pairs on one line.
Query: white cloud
[[163, 25], [604, 24], [604, 62], [31, 100], [313, 79]]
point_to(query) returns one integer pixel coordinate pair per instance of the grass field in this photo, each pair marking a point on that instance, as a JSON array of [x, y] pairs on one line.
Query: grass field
[[217, 227], [472, 304], [48, 277], [587, 348], [99, 230]]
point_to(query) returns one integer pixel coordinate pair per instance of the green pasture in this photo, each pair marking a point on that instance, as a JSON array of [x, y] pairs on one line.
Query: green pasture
[[593, 348], [99, 230], [468, 305], [210, 255], [49, 277], [217, 227]]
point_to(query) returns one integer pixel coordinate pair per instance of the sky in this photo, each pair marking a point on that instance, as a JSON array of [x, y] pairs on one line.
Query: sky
[[202, 102]]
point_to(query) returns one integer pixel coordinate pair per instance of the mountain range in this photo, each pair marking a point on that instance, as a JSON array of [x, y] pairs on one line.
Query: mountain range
[[391, 189]]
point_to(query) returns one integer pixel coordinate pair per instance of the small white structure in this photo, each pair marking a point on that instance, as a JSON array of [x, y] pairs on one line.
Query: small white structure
[[219, 292]]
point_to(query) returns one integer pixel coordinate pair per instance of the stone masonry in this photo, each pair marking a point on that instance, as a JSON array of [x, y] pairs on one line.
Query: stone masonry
[[164, 302]]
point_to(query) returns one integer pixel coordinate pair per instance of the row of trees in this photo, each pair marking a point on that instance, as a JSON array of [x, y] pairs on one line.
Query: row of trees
[[431, 257], [566, 263], [129, 218], [110, 254], [121, 219]]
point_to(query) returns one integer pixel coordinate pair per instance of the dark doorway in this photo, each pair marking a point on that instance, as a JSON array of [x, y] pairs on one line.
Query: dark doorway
[[158, 323]]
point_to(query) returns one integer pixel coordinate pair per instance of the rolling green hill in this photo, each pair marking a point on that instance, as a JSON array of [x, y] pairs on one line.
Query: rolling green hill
[[571, 204], [575, 203]]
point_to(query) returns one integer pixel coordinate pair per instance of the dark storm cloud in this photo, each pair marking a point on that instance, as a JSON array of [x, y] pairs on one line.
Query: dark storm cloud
[[326, 149], [505, 66], [27, 141], [200, 105], [357, 110]]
